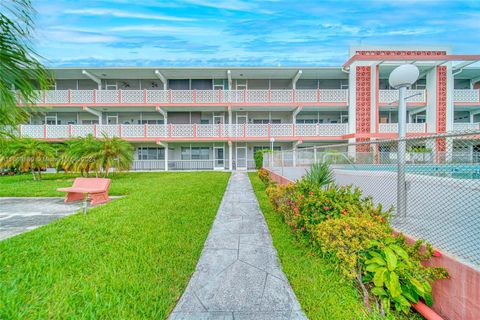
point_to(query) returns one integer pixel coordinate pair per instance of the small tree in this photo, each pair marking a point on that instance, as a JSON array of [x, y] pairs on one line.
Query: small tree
[[258, 157], [28, 154]]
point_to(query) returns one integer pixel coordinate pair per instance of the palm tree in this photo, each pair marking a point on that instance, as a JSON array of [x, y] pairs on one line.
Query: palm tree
[[19, 63], [98, 155], [114, 153], [28, 154]]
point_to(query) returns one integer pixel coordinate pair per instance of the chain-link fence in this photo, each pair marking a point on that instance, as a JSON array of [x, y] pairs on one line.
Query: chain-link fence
[[441, 181]]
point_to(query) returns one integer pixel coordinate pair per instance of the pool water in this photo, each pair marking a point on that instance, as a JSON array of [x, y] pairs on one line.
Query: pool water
[[459, 171]]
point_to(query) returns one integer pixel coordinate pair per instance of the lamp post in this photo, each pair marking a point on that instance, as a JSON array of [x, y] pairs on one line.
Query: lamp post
[[401, 78], [272, 140]]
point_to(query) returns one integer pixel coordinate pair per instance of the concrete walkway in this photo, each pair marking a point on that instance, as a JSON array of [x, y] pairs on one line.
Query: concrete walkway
[[238, 275], [18, 215]]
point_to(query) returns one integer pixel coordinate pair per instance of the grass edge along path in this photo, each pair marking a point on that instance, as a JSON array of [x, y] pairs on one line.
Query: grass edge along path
[[128, 259], [322, 292]]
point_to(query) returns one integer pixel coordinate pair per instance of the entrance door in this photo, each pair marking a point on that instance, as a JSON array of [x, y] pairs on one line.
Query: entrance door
[[241, 158], [218, 158]]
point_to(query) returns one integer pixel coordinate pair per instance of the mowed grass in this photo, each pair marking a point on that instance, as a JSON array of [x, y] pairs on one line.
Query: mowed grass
[[129, 259], [322, 292]]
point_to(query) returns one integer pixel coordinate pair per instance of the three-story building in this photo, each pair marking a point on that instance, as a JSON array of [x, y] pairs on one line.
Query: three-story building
[[217, 118]]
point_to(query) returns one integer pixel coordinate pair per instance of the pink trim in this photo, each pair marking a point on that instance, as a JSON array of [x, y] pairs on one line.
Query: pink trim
[[120, 130], [145, 96], [401, 56], [119, 95], [69, 130], [195, 96], [278, 178], [377, 108], [95, 130], [94, 96], [45, 131], [145, 130], [69, 97], [194, 130]]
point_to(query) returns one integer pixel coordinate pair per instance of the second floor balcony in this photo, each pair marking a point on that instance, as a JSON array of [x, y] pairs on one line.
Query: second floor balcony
[[331, 97], [284, 131]]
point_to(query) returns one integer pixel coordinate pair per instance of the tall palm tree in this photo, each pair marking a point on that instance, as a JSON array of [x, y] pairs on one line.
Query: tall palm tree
[[19, 63], [28, 154]]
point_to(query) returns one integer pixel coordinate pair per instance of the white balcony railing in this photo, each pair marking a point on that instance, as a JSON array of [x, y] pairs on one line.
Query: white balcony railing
[[169, 97], [393, 127], [466, 96], [466, 126], [391, 96], [191, 131]]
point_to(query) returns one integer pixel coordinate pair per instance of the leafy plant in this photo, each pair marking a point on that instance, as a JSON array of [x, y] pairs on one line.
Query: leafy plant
[[318, 175], [19, 63], [397, 275]]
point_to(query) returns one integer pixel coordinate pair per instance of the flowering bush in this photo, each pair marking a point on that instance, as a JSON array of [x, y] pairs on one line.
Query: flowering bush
[[264, 175], [357, 235]]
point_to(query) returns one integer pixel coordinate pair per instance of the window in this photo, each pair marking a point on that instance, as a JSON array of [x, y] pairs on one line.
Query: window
[[265, 121], [195, 153], [204, 121], [150, 121], [218, 84], [151, 153], [89, 121]]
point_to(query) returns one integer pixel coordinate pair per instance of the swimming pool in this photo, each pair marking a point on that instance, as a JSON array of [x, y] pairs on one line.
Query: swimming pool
[[456, 171]]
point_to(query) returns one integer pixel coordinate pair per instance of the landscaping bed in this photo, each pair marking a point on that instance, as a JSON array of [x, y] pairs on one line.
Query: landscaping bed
[[128, 259], [347, 230]]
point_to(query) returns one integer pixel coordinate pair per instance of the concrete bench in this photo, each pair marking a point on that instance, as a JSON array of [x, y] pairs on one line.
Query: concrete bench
[[94, 188]]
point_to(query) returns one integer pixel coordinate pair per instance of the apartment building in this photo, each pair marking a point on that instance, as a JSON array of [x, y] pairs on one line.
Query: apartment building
[[218, 117]]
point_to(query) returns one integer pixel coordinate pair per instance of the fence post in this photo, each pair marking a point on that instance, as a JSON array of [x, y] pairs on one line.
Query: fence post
[[401, 155]]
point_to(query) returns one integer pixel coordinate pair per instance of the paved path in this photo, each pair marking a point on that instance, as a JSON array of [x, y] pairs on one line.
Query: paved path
[[18, 215], [238, 275]]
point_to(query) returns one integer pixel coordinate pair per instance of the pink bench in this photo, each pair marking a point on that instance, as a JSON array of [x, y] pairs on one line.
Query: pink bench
[[95, 188]]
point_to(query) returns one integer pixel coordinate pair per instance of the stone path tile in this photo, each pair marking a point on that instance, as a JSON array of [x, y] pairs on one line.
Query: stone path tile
[[238, 275]]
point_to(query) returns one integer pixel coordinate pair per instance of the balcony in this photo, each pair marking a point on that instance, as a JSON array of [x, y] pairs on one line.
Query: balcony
[[416, 97], [332, 97], [411, 127], [466, 96], [466, 126], [286, 131]]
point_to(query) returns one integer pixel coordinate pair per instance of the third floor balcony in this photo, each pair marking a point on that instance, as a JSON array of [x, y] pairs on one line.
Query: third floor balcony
[[329, 97]]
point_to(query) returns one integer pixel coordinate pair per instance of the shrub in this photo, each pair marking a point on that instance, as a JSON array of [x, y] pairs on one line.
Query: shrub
[[258, 157], [396, 275], [264, 175], [356, 234], [348, 238]]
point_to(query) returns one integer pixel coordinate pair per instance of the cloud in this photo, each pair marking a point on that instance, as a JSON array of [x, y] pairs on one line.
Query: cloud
[[125, 14]]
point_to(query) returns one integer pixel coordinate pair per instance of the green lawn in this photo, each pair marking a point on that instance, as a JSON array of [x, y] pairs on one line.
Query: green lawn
[[321, 290], [128, 259]]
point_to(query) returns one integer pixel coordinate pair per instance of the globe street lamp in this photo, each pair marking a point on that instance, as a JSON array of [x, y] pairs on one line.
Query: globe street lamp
[[401, 78]]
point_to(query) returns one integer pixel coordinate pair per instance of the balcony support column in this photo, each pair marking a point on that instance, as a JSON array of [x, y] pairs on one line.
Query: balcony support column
[[229, 77], [230, 155], [162, 78], [94, 112], [295, 114], [94, 78], [165, 146], [295, 79]]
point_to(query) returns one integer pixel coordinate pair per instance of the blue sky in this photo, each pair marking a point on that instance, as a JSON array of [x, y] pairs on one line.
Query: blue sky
[[244, 32]]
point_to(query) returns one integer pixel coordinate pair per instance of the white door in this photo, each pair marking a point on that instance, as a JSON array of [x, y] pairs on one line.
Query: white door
[[241, 158], [218, 158]]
